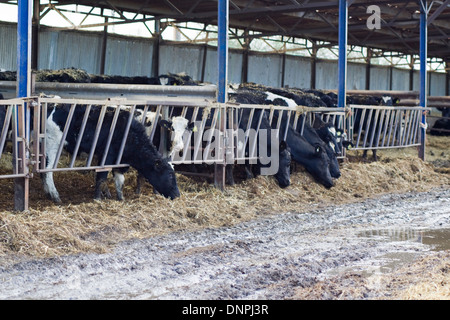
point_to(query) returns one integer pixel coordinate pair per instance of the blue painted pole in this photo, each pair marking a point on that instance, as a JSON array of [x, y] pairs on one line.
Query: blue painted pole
[[23, 47], [21, 185], [342, 63], [222, 97], [423, 73], [222, 50]]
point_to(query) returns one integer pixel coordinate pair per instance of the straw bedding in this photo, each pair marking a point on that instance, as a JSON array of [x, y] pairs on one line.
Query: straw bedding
[[81, 224]]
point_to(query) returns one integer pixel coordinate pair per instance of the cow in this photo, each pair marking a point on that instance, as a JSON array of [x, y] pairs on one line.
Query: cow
[[176, 126], [313, 155], [324, 137], [138, 152], [284, 156]]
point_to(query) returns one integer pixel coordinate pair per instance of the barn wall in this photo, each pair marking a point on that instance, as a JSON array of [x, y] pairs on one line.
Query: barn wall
[[128, 56], [400, 79], [297, 72], [379, 78], [8, 47], [265, 69], [326, 74]]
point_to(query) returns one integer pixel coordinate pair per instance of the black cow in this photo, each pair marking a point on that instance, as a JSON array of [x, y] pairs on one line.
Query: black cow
[[282, 175], [139, 152]]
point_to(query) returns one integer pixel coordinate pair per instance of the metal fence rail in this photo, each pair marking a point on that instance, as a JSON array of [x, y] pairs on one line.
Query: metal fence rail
[[383, 127], [12, 127], [216, 139]]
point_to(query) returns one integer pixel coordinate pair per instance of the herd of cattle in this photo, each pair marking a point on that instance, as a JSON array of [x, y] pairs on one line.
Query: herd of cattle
[[316, 146]]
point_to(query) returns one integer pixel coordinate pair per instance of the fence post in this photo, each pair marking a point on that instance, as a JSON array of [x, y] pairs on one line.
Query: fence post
[[222, 53], [423, 74], [21, 185]]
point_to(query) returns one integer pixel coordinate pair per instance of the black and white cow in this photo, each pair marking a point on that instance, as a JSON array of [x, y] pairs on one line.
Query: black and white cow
[[175, 126], [311, 155], [139, 152], [284, 156]]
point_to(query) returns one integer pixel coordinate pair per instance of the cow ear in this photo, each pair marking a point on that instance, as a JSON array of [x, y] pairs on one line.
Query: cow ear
[[283, 145], [166, 124], [395, 101]]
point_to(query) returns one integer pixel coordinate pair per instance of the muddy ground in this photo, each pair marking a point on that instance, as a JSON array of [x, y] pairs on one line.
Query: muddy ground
[[381, 233]]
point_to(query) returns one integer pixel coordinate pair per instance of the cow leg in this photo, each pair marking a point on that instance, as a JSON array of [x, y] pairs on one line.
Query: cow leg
[[364, 154], [248, 172], [53, 139], [229, 180], [374, 155], [119, 180], [139, 182], [100, 184]]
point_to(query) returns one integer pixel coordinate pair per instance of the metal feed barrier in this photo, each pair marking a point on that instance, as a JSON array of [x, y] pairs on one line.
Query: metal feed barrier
[[216, 140], [384, 127]]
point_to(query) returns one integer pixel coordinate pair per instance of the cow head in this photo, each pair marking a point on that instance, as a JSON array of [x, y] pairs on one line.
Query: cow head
[[177, 126], [283, 175], [161, 176]]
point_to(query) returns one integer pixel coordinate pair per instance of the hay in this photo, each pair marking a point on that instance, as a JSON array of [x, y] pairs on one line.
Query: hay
[[84, 225]]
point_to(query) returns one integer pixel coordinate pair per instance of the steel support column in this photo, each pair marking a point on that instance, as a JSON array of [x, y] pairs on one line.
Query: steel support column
[[222, 54], [21, 185], [423, 74], [342, 64]]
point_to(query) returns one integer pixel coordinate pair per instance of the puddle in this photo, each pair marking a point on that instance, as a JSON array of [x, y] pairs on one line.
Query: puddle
[[437, 239]]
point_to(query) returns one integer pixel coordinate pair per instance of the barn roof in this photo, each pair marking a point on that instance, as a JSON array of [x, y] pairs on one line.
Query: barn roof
[[313, 20]]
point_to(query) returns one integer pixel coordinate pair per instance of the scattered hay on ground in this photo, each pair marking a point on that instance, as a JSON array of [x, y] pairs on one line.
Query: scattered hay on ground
[[81, 224]]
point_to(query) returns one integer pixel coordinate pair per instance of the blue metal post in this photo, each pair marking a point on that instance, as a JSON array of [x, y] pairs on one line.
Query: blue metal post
[[222, 61], [23, 47], [342, 64], [222, 50], [21, 185], [423, 73]]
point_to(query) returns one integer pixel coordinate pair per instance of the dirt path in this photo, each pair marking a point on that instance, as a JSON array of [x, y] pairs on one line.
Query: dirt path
[[308, 255]]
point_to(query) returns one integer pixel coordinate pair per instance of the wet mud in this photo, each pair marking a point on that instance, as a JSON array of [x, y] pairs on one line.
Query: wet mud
[[352, 251]]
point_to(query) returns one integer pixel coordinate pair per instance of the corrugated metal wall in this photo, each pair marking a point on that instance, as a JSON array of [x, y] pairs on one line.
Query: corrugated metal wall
[[131, 56]]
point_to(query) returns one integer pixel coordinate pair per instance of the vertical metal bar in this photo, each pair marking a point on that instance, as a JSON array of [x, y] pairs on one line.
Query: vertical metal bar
[[287, 124], [42, 142], [360, 124], [374, 127], [188, 140], [381, 123], [423, 73], [5, 130], [63, 139], [80, 135], [398, 120], [125, 134], [368, 127], [96, 134], [112, 128], [386, 121], [253, 146], [342, 64], [36, 136], [155, 123]]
